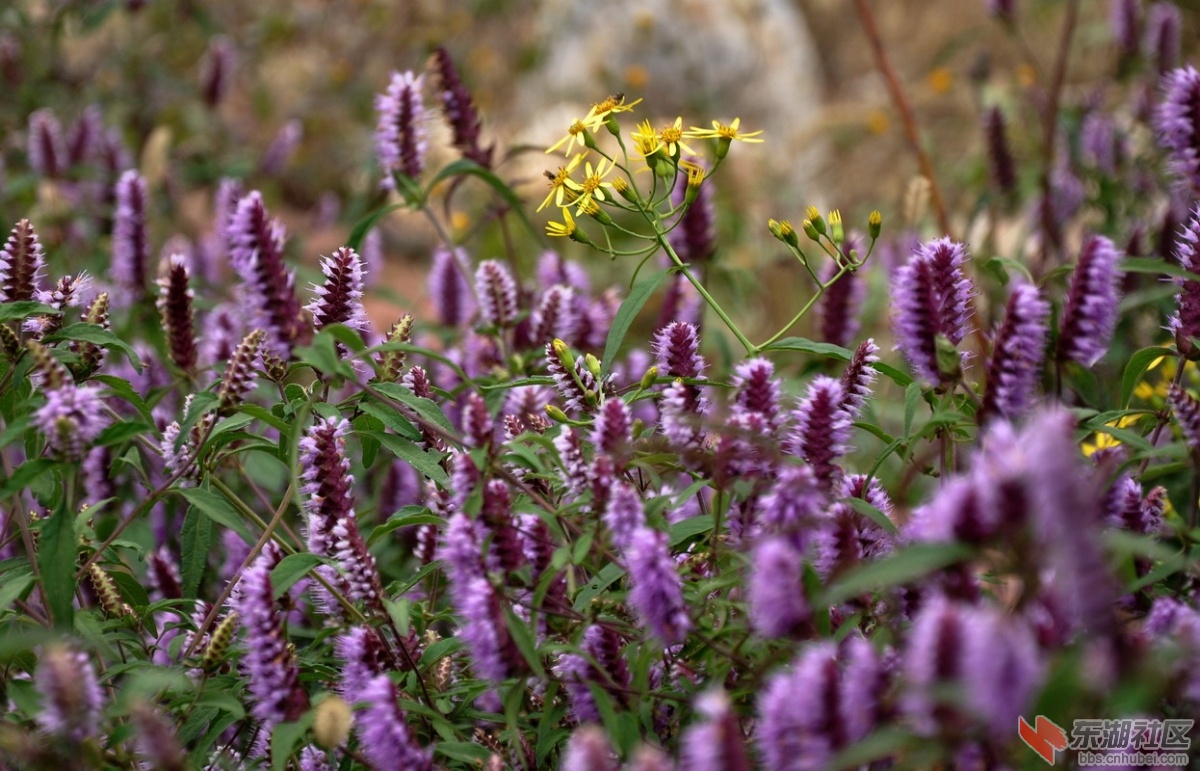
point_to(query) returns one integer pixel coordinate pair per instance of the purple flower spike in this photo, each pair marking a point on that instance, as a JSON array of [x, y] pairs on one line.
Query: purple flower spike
[[400, 133], [256, 244], [776, 591], [21, 264], [575, 467], [758, 389], [46, 147], [589, 750], [339, 299], [612, 432], [1176, 120], [791, 507], [1163, 23], [936, 656], [954, 290], [864, 681], [1002, 669], [916, 318], [130, 244], [1187, 415], [363, 655], [274, 677], [1090, 311], [657, 591], [1125, 18], [677, 346], [460, 110], [497, 293], [71, 695], [858, 378], [175, 305], [557, 315], [1017, 354], [624, 515], [383, 732], [800, 712], [715, 743], [71, 419], [448, 287], [841, 302], [1185, 323], [1003, 168], [275, 158], [216, 71], [822, 429]]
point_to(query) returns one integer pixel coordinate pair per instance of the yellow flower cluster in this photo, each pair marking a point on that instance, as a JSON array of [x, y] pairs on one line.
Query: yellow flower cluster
[[665, 145]]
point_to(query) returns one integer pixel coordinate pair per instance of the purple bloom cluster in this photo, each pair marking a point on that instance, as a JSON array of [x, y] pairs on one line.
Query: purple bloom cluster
[[400, 134], [933, 299], [1018, 350], [339, 299], [1176, 120], [256, 244], [1089, 314], [21, 264], [387, 741], [71, 419], [71, 696]]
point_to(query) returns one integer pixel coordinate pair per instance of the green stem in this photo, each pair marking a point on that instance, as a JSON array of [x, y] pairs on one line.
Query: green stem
[[708, 298], [807, 306]]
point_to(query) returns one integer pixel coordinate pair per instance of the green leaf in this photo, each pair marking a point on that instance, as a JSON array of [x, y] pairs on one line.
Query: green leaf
[[122, 389], [912, 400], [15, 584], [872, 513], [97, 335], [409, 515], [291, 569], [598, 584], [466, 166], [217, 509], [25, 473], [195, 541], [811, 346], [322, 356], [425, 462], [1137, 366], [901, 379], [56, 562], [426, 408], [690, 528], [370, 445], [632, 305], [1157, 266], [900, 568], [881, 745], [523, 639], [364, 225], [284, 739], [119, 432], [23, 309]]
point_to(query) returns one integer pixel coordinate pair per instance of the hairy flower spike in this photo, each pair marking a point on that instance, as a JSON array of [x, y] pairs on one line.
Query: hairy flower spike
[[216, 70], [497, 293], [858, 378], [657, 591], [1177, 120], [1185, 323], [822, 428], [758, 389], [71, 695], [448, 287], [932, 298], [1187, 415], [91, 356], [256, 244], [218, 643], [612, 432], [21, 264], [841, 302], [460, 111], [1125, 20], [715, 741], [339, 299], [1163, 23], [392, 362], [71, 419], [175, 307], [400, 133], [46, 147], [776, 590], [130, 242], [384, 736], [107, 594], [1090, 311], [238, 379], [677, 347], [1003, 168], [557, 315], [801, 712], [1017, 352]]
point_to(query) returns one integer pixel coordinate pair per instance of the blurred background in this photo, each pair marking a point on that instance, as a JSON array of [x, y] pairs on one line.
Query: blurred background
[[280, 95]]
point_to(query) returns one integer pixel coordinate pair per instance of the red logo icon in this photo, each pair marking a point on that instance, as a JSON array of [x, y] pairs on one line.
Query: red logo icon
[[1044, 739]]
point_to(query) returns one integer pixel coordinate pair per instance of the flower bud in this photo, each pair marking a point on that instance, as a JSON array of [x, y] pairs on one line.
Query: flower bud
[[784, 232], [874, 224], [557, 415], [593, 364], [331, 722], [621, 185], [648, 378], [811, 231], [564, 354], [813, 216], [836, 232]]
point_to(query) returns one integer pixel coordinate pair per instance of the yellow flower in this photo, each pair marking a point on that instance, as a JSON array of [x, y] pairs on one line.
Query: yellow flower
[[1103, 441], [645, 139], [672, 138], [613, 104], [558, 182], [593, 183], [577, 132], [721, 131], [564, 229]]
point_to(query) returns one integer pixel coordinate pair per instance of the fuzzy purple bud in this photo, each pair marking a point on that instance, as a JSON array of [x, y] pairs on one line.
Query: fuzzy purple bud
[[1185, 323], [71, 695], [657, 591], [791, 506], [800, 712], [1177, 120], [840, 304], [71, 419], [758, 388], [624, 515], [459, 110], [448, 287], [21, 264], [716, 742], [1187, 415], [45, 145], [557, 315], [256, 244], [916, 318], [677, 346], [497, 293], [589, 750], [612, 432], [175, 306], [283, 146], [272, 672], [1125, 19], [384, 736], [1002, 669], [822, 429], [1163, 24], [130, 242], [1003, 168], [858, 378], [1090, 310], [1018, 349], [216, 71], [574, 465], [400, 132], [776, 590], [1098, 142], [552, 269], [339, 299]]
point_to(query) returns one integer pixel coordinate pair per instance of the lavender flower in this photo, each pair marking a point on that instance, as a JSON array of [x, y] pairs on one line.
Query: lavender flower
[[600, 663], [448, 287], [1187, 415], [84, 136], [1090, 311], [656, 592], [71, 419], [66, 293], [46, 148], [256, 244], [71, 696], [175, 306], [216, 71], [932, 299], [339, 299], [497, 293], [1098, 142], [1185, 323], [680, 416], [694, 237], [1017, 352], [578, 386], [589, 750], [841, 302], [556, 316], [460, 111], [282, 147], [864, 681], [1125, 19], [822, 428], [156, 740], [552, 269], [790, 508], [400, 133], [612, 433], [624, 515], [858, 378], [130, 243], [506, 551], [383, 732], [575, 468], [1002, 668], [1176, 122], [758, 389], [21, 264], [800, 712], [715, 743], [274, 678], [238, 379], [1162, 36], [776, 590], [677, 347], [1003, 168]]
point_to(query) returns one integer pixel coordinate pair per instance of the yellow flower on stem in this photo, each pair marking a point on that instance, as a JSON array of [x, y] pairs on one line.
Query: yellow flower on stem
[[672, 139], [577, 132], [593, 184], [558, 182], [724, 134], [695, 177], [564, 229], [613, 104]]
